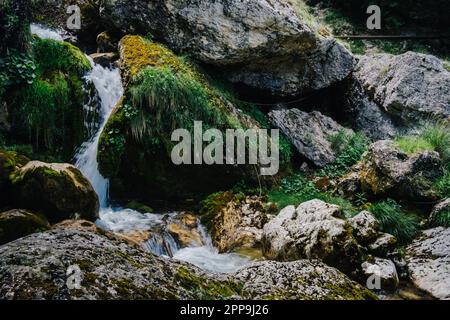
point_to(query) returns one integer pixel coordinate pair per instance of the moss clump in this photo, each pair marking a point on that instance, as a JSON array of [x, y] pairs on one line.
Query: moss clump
[[207, 289], [48, 113]]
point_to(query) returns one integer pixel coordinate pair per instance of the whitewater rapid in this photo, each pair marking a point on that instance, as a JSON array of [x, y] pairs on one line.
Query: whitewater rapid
[[108, 84]]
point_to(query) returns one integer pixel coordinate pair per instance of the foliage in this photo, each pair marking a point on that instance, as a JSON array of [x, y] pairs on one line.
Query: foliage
[[17, 68], [442, 185], [393, 220], [349, 149], [441, 219], [297, 189], [48, 112]]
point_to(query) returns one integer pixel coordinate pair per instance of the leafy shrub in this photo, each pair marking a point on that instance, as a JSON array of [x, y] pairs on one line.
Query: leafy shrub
[[393, 220], [17, 68], [350, 149]]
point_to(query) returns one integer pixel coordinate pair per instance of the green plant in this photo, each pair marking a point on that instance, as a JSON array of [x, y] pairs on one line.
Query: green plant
[[442, 185], [393, 220], [297, 189], [16, 68], [350, 149], [441, 219], [435, 136]]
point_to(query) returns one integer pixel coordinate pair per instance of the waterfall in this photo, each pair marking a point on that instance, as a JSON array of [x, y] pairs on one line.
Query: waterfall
[[108, 83], [109, 87]]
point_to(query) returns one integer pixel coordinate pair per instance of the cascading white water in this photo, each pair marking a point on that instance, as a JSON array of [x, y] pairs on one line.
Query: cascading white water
[[109, 87]]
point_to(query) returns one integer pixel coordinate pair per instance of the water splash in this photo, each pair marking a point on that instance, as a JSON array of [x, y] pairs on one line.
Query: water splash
[[46, 33], [109, 87]]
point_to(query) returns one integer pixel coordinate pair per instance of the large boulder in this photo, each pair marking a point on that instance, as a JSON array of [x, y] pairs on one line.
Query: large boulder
[[393, 95], [313, 230], [164, 93], [428, 261], [54, 263], [387, 171], [234, 220], [310, 133], [299, 280], [59, 191], [16, 223], [72, 263], [265, 45]]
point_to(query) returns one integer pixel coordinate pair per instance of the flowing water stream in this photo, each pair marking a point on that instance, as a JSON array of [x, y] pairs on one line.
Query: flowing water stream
[[108, 84]]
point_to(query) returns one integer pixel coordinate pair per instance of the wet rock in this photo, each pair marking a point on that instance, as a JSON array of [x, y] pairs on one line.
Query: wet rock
[[16, 223], [383, 245], [264, 45], [105, 43], [184, 229], [381, 270], [387, 171], [365, 227], [59, 191], [315, 230], [428, 259], [234, 221], [299, 280], [395, 94], [310, 133], [104, 59]]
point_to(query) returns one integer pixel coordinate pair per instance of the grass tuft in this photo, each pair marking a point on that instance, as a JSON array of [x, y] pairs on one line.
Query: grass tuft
[[393, 220]]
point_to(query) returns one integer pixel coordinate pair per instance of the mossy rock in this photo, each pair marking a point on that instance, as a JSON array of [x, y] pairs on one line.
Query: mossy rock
[[52, 106], [59, 191], [16, 223], [164, 92], [9, 162]]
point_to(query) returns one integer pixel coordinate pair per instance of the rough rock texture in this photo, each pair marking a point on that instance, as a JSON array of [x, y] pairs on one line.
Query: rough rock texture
[[184, 229], [395, 94], [298, 280], [104, 59], [384, 270], [16, 223], [365, 227], [442, 207], [383, 245], [109, 269], [71, 263], [387, 171], [428, 259], [235, 221], [309, 132], [265, 45], [315, 230], [60, 191], [349, 185]]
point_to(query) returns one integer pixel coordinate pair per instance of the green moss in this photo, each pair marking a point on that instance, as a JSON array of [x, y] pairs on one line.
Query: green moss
[[214, 203], [207, 289], [48, 113], [412, 145], [441, 219]]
